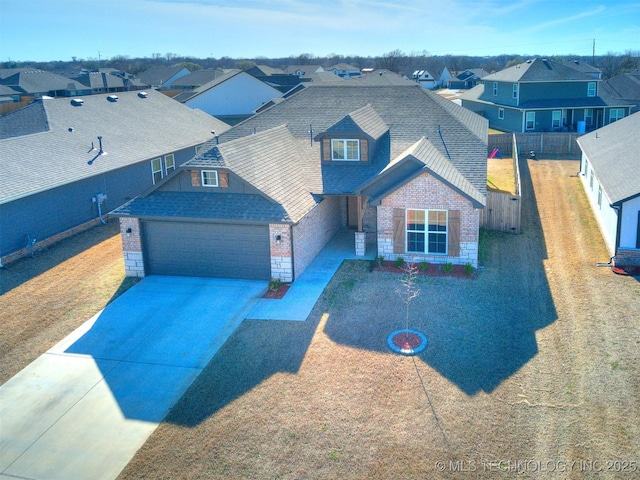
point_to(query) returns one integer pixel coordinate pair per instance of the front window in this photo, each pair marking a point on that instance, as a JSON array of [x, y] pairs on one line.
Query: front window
[[345, 150], [588, 116], [530, 123], [515, 90], [169, 163], [616, 114], [495, 89], [427, 231], [209, 178], [156, 170], [556, 118], [591, 89]]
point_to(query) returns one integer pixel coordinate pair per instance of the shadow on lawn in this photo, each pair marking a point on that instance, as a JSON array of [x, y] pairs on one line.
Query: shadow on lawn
[[480, 332]]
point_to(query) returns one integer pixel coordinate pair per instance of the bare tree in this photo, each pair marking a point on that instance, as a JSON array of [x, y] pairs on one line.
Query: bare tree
[[391, 60]]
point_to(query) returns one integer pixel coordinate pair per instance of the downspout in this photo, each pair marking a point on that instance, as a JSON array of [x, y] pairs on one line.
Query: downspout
[[293, 267]]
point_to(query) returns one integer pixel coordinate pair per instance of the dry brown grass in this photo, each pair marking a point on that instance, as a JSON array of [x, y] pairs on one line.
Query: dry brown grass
[[532, 362], [501, 175], [44, 298]]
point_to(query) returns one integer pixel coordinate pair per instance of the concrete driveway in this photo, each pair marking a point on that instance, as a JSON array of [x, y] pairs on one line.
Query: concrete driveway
[[84, 408]]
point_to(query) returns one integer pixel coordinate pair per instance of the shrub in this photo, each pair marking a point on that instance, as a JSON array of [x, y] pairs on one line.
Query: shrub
[[275, 283], [379, 260], [447, 267], [468, 269], [423, 266], [399, 262]]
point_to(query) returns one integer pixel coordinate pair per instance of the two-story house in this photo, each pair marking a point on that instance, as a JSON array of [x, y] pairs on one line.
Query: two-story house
[[541, 95], [401, 167]]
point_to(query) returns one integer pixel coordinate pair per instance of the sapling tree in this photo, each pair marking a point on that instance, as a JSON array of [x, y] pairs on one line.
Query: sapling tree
[[408, 289]]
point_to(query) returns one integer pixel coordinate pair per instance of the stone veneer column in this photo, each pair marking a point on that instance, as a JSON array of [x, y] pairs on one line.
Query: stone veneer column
[[360, 244], [281, 259], [132, 247]]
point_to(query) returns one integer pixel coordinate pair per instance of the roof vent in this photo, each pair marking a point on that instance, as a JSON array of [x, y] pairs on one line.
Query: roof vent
[[112, 98], [77, 102], [143, 94]]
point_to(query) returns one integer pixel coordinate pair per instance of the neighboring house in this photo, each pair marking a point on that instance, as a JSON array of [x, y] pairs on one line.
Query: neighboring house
[[9, 95], [264, 70], [196, 79], [541, 96], [610, 174], [402, 167], [303, 70], [381, 77], [102, 82], [625, 86], [344, 70], [161, 78], [30, 82], [424, 79], [442, 80], [467, 79], [232, 94], [584, 68], [66, 162]]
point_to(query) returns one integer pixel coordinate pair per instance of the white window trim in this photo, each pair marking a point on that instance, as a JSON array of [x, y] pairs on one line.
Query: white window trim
[[495, 89], [617, 117], [592, 89], [168, 168], [515, 91], [556, 118], [500, 113], [204, 183], [154, 170], [426, 231], [526, 121], [345, 149]]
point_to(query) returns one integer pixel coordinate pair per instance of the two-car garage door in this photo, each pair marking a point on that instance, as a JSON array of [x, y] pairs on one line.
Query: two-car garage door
[[207, 250]]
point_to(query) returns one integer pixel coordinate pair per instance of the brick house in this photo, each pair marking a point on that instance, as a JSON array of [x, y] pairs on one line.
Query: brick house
[[404, 169]]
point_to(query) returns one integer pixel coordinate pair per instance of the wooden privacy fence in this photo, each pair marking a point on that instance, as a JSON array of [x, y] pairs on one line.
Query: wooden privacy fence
[[502, 210], [552, 144]]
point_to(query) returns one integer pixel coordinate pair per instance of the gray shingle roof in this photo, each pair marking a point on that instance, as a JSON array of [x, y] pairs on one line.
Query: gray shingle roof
[[159, 75], [204, 206], [134, 129], [410, 111], [613, 152], [33, 81], [25, 121], [538, 70]]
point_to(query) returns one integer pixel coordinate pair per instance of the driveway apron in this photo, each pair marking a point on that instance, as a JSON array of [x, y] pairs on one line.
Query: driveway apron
[[86, 406]]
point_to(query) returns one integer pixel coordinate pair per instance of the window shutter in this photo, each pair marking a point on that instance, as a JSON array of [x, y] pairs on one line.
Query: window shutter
[[454, 233], [223, 179], [326, 149], [364, 150], [398, 230], [195, 178]]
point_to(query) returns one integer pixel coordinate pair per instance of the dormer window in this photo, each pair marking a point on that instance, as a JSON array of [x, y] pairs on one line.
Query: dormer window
[[209, 178], [345, 149]]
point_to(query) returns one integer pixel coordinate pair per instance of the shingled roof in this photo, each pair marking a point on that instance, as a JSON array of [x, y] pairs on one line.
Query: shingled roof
[[538, 70], [49, 143], [612, 151]]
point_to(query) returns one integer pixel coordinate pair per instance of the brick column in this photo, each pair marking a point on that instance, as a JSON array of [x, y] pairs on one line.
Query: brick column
[[280, 247], [360, 244], [132, 247]]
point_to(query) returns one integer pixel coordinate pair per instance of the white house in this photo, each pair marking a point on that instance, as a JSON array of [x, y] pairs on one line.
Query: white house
[[234, 93], [610, 173]]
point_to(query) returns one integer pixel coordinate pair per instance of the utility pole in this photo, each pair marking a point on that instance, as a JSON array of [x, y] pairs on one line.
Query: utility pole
[[593, 53]]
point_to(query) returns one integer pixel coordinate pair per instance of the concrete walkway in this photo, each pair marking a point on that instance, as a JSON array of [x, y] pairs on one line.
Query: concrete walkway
[[83, 409], [307, 288]]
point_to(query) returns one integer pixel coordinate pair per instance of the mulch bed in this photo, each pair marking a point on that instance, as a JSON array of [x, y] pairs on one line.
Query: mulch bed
[[432, 270], [628, 270], [277, 293]]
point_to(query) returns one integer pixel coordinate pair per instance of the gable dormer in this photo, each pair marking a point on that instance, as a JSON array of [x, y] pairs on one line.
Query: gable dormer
[[353, 138]]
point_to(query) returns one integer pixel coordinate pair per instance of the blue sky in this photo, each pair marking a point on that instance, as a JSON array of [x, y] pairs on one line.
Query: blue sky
[[41, 30]]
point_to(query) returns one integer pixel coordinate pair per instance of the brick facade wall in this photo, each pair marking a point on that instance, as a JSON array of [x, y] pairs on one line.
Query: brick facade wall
[[315, 230], [132, 247], [281, 258], [626, 258], [426, 192]]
